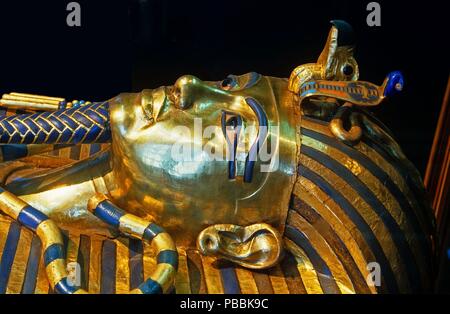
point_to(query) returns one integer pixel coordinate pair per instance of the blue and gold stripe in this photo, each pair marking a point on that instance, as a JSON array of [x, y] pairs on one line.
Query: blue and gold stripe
[[48, 233], [367, 184], [162, 279]]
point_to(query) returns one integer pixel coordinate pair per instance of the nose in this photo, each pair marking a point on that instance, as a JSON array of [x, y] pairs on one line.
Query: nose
[[185, 90]]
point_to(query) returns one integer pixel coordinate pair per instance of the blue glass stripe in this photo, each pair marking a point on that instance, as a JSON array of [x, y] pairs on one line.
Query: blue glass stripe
[[96, 117], [397, 234], [334, 241], [81, 119], [4, 138], [39, 139], [31, 217], [42, 123], [135, 264], [83, 257], [14, 151], [418, 192], [108, 275], [28, 138], [254, 78], [105, 136], [32, 125], [94, 148], [53, 136], [93, 133], [78, 135], [230, 281], [16, 138], [150, 287], [8, 126], [169, 257], [424, 245], [323, 272], [29, 282], [262, 134], [53, 252], [9, 252], [109, 213], [69, 120], [361, 224], [65, 136], [63, 287], [152, 231]]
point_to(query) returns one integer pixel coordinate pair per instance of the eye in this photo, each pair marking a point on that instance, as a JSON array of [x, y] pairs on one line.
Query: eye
[[228, 83], [347, 70]]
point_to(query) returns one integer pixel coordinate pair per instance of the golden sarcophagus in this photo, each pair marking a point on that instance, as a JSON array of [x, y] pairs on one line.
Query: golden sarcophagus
[[253, 184]]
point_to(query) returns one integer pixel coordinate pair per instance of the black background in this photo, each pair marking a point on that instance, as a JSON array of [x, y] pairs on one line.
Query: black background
[[136, 44]]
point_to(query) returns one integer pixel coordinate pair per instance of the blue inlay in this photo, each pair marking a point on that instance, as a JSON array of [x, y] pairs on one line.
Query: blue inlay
[[78, 136], [31, 217], [150, 287], [424, 245], [28, 138], [407, 175], [229, 280], [14, 151], [108, 278], [109, 213], [169, 257], [395, 83], [29, 282], [231, 122], [136, 264], [397, 235], [53, 136], [359, 221], [39, 139], [53, 252], [81, 119], [254, 78], [69, 120], [152, 231], [42, 123], [64, 287], [324, 274], [32, 125], [8, 127], [94, 149], [262, 135], [93, 133], [9, 252], [65, 135]]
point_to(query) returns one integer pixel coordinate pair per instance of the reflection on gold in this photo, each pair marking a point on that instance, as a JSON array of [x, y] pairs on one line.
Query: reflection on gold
[[180, 157]]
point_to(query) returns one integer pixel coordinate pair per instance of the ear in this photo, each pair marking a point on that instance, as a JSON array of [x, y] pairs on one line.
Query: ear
[[257, 246]]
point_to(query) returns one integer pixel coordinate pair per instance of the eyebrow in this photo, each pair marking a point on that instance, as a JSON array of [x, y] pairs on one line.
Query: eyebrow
[[254, 78], [262, 135]]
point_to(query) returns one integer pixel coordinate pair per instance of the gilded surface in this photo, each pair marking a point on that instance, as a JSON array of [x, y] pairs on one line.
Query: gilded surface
[[329, 196]]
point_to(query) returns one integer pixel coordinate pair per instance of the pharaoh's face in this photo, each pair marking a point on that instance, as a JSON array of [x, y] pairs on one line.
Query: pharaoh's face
[[198, 153]]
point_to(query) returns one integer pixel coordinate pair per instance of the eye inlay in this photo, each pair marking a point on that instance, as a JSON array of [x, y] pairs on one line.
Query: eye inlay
[[229, 83], [231, 128], [347, 69]]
